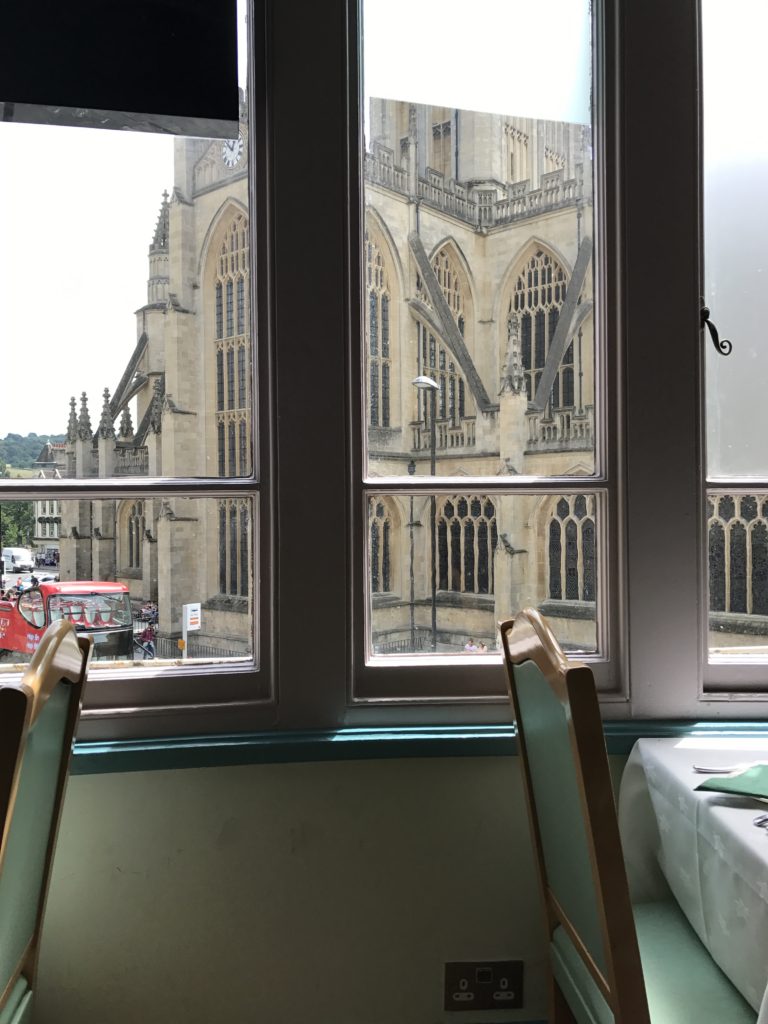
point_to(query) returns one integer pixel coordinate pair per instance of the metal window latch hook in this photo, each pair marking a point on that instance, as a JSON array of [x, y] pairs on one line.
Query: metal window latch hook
[[724, 347]]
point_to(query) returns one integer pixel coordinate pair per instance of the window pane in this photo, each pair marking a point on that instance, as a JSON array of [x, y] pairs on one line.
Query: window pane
[[737, 537], [444, 569], [486, 293], [117, 567], [736, 221], [125, 300]]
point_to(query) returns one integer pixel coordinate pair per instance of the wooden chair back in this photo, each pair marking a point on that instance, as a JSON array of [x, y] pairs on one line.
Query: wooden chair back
[[573, 818], [38, 716]]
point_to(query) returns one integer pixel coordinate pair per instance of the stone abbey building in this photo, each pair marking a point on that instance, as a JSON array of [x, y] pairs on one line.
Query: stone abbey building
[[478, 275], [477, 270]]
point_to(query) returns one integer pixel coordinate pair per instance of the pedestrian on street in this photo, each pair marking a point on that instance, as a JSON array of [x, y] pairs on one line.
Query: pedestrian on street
[[147, 639]]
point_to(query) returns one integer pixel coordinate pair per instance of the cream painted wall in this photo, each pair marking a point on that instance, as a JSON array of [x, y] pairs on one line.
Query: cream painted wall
[[329, 893]]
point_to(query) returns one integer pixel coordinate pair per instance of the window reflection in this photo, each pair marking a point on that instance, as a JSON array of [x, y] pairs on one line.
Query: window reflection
[[488, 291], [493, 555]]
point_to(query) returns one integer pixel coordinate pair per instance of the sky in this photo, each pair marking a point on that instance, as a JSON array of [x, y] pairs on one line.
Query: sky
[[486, 61], [78, 206], [78, 209], [735, 227]]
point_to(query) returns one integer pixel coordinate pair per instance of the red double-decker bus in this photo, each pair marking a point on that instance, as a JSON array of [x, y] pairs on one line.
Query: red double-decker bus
[[100, 610]]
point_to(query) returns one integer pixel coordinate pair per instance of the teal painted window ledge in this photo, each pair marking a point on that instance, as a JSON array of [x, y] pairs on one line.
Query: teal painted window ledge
[[359, 744]]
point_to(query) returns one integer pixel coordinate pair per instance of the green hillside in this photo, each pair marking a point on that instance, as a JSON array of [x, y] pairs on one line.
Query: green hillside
[[21, 452]]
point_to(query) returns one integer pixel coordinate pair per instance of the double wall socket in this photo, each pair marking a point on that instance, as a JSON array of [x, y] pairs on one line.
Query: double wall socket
[[484, 985]]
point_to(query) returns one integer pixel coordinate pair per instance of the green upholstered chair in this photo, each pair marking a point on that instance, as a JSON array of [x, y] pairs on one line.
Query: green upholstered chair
[[612, 963], [38, 715]]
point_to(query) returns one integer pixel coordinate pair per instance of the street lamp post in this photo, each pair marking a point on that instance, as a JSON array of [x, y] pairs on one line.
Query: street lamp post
[[411, 524], [431, 386]]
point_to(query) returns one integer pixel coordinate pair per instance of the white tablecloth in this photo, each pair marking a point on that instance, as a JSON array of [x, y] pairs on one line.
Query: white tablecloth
[[704, 847]]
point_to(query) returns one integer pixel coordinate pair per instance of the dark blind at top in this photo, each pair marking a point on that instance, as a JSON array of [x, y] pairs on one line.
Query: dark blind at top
[[172, 62]]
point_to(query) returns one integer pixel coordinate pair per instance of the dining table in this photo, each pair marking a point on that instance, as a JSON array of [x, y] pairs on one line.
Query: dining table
[[702, 847]]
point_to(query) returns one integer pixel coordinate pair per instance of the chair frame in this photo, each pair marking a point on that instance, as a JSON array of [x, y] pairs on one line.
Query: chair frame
[[525, 638], [61, 655]]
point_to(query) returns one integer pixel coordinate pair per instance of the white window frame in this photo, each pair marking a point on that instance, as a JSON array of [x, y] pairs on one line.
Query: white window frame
[[311, 624], [415, 690], [661, 299], [662, 289], [214, 698]]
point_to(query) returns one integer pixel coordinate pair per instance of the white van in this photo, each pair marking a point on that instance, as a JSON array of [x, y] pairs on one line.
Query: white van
[[18, 560]]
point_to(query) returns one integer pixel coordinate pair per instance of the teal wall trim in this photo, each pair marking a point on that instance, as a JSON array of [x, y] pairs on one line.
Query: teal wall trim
[[359, 744], [282, 747]]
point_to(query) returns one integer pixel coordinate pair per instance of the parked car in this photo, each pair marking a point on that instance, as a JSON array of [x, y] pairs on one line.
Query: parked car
[[18, 560]]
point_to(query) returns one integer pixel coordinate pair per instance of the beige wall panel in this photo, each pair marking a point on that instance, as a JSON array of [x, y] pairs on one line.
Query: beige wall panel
[[275, 893]]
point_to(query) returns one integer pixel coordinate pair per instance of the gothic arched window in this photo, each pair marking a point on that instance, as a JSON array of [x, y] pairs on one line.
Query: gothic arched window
[[242, 386], [240, 305], [380, 547], [536, 301], [517, 150], [233, 349], [377, 329], [435, 359], [234, 557], [219, 311], [230, 379], [441, 156], [759, 581], [242, 442], [716, 567], [738, 554], [135, 534], [452, 283], [230, 317], [571, 549], [220, 381], [466, 540], [449, 278], [221, 448]]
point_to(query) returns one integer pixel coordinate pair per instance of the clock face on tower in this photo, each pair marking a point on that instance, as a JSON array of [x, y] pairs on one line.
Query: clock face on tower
[[232, 151]]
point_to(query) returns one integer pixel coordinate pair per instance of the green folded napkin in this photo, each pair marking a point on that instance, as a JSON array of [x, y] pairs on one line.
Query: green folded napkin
[[750, 781]]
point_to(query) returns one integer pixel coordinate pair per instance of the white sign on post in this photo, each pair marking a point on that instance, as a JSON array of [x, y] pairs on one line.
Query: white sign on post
[[191, 620], [192, 614]]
